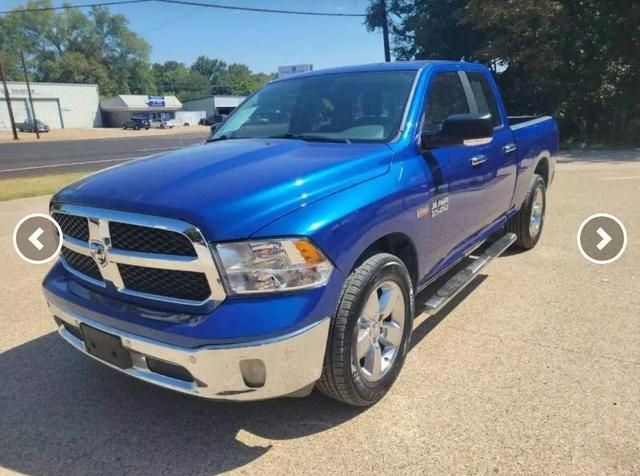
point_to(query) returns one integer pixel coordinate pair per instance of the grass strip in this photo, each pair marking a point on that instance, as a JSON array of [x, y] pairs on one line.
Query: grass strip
[[22, 187]]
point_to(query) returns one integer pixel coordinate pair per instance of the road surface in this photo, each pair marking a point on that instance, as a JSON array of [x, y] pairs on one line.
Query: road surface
[[33, 158]]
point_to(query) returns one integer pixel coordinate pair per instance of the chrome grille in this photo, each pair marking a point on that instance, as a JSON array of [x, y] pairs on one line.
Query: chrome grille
[[81, 263], [73, 225], [175, 284], [126, 236], [145, 256]]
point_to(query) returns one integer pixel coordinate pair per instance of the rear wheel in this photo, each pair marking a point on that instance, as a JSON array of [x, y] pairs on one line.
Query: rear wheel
[[369, 336], [528, 223]]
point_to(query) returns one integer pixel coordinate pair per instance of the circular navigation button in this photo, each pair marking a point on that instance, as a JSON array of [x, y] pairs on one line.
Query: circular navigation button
[[37, 238], [602, 238]]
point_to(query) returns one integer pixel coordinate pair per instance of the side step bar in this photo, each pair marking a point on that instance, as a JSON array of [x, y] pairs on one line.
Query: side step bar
[[458, 282]]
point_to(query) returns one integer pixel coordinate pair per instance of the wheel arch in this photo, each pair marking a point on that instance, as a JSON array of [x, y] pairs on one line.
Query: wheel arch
[[398, 244], [543, 168]]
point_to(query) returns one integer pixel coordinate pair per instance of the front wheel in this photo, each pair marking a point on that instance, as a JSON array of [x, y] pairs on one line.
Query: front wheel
[[528, 223], [369, 336]]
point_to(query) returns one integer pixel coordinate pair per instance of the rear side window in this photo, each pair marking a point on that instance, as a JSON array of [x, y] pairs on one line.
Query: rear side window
[[446, 97], [485, 98]]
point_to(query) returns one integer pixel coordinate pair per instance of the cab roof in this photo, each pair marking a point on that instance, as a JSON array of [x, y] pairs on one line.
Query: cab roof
[[391, 66]]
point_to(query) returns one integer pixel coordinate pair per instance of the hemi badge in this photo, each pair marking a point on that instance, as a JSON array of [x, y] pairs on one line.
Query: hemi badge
[[422, 211]]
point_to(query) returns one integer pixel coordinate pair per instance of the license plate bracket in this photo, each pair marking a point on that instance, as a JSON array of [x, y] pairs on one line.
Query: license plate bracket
[[106, 347]]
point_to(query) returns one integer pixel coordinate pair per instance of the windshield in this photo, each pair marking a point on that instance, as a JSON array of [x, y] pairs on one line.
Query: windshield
[[342, 107]]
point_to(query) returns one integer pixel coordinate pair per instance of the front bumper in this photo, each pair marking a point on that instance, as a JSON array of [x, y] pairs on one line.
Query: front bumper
[[286, 365]]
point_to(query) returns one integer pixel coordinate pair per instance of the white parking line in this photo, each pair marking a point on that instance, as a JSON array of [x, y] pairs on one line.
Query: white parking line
[[159, 148], [70, 164]]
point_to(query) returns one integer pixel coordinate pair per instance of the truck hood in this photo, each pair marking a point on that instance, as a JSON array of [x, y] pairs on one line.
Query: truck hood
[[231, 189]]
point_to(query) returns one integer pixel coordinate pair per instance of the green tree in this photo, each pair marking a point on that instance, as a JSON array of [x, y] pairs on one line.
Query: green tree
[[68, 45], [212, 69], [425, 29], [238, 79], [176, 78], [576, 59]]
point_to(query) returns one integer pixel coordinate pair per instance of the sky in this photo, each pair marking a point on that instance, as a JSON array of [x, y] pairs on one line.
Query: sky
[[263, 41]]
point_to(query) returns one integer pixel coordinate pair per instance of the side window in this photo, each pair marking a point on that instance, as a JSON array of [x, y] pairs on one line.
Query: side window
[[446, 97], [485, 98]]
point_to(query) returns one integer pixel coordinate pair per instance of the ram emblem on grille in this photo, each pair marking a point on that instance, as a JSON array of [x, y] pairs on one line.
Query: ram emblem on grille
[[99, 253]]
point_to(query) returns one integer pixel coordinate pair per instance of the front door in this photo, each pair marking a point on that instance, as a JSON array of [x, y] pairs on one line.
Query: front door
[[456, 208]]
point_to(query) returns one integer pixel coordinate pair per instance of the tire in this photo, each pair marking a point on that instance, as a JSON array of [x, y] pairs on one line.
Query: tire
[[522, 222], [345, 376]]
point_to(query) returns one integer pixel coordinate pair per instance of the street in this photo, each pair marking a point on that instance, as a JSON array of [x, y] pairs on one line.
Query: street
[[534, 369], [38, 158]]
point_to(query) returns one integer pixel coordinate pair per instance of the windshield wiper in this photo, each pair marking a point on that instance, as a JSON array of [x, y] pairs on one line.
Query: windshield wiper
[[312, 138], [216, 139]]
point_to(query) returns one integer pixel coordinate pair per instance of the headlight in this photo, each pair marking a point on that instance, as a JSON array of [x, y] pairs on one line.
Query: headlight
[[273, 265]]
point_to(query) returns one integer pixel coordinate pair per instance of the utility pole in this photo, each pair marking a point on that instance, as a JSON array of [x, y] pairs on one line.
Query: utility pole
[[33, 109], [385, 30], [8, 99]]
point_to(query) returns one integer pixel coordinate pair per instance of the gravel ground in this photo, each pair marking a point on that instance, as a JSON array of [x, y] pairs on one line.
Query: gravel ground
[[535, 369]]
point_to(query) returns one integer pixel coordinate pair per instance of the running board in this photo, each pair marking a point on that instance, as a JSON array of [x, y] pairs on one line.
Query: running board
[[458, 282]]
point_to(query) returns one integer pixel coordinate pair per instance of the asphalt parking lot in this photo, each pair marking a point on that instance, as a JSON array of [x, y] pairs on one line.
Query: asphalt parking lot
[[535, 369], [28, 159]]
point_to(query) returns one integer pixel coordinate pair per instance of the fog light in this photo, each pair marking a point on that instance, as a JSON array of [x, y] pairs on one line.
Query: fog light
[[253, 372]]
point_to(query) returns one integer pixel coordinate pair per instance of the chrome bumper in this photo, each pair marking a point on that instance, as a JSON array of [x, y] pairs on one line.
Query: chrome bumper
[[287, 365]]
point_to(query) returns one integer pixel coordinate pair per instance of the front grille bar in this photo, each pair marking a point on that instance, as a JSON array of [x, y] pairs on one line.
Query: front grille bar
[[99, 232]]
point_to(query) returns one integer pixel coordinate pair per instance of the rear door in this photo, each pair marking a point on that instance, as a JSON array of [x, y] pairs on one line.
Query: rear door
[[495, 175]]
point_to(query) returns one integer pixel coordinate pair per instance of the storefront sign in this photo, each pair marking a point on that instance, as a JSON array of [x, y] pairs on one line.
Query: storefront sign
[[156, 101]]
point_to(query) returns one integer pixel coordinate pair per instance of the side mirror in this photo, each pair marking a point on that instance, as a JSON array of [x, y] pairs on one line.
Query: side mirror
[[214, 128], [459, 128]]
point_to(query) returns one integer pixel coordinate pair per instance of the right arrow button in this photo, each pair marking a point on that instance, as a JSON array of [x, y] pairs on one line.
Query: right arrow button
[[602, 238], [606, 239]]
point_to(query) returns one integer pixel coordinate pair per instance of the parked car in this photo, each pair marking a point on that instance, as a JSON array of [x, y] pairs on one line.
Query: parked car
[[287, 252], [213, 119], [30, 126], [136, 123], [163, 123]]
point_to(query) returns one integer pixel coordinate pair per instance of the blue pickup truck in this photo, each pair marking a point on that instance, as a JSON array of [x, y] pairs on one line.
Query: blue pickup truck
[[286, 252]]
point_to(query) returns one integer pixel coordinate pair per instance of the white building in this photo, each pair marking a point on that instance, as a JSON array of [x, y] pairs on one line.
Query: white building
[[214, 104], [284, 71], [58, 105], [118, 109]]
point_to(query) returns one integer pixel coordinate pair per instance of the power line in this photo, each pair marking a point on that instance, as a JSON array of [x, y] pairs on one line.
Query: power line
[[261, 10], [67, 7], [190, 3]]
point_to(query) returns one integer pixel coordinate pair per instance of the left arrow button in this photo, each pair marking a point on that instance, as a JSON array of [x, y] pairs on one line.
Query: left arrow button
[[37, 238], [34, 239]]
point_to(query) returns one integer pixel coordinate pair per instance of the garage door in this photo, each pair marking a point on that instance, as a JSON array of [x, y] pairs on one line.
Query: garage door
[[48, 111], [19, 112]]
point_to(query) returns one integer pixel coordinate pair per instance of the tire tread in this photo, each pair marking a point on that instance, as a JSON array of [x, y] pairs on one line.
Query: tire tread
[[519, 223], [335, 379]]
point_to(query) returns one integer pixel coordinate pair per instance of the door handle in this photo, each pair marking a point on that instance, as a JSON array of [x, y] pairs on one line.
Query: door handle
[[477, 160], [509, 148]]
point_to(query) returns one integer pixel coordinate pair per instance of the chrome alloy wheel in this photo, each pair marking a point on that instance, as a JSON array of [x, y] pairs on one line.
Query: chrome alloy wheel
[[378, 336], [537, 213]]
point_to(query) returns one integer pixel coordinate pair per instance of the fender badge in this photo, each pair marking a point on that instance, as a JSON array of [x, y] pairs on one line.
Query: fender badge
[[422, 212], [439, 206]]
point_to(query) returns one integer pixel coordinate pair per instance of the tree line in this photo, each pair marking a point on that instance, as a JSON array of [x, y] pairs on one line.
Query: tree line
[[98, 47], [576, 59]]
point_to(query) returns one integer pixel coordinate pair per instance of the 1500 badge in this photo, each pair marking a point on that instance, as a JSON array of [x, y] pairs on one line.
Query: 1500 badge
[[438, 207]]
